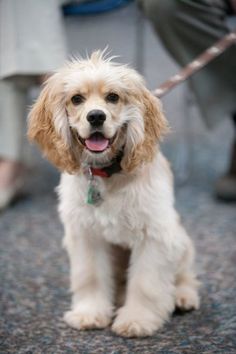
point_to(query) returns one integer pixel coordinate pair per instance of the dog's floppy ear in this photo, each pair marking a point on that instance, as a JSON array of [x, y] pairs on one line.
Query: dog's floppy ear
[[48, 126], [154, 127]]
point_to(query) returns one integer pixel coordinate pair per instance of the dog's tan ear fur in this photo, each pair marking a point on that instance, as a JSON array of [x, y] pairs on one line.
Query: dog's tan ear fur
[[155, 126], [41, 129]]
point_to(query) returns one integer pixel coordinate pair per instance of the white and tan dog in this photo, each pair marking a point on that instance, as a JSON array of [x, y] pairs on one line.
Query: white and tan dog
[[96, 122]]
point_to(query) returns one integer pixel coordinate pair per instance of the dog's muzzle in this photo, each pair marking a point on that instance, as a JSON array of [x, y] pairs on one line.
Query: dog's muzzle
[[96, 118]]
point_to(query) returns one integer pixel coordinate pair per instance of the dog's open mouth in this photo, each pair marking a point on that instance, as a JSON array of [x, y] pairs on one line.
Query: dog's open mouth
[[97, 142]]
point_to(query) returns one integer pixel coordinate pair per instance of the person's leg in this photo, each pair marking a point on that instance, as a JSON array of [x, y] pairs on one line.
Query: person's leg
[[186, 28], [226, 185], [12, 116], [232, 169], [24, 62]]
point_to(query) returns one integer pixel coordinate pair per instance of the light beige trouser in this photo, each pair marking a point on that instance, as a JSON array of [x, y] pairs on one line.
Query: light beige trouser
[[12, 120], [32, 43]]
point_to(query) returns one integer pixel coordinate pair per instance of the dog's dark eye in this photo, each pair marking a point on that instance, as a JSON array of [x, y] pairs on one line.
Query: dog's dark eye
[[112, 97], [77, 99]]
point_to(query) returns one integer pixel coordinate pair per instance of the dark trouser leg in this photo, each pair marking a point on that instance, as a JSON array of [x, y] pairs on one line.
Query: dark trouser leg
[[232, 168], [186, 28], [226, 185]]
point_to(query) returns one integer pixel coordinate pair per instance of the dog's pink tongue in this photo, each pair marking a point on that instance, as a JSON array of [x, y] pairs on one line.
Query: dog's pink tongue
[[96, 143]]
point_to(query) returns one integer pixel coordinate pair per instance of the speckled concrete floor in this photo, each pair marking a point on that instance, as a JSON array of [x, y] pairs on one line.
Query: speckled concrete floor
[[34, 274], [34, 268]]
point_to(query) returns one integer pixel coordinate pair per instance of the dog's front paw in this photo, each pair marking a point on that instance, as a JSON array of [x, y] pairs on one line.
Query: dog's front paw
[[86, 320], [139, 323], [187, 298]]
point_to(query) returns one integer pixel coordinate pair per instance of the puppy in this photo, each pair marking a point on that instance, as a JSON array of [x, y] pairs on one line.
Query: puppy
[[131, 259]]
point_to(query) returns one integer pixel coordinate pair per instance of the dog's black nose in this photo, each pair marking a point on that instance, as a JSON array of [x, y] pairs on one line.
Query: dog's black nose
[[96, 117]]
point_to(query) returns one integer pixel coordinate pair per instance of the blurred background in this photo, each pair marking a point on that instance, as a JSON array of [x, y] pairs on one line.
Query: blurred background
[[35, 38]]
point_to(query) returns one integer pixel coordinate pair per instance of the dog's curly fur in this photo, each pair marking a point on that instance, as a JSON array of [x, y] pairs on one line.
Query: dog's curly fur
[[131, 251]]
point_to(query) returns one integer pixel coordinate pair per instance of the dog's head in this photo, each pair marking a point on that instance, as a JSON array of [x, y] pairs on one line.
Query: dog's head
[[91, 109]]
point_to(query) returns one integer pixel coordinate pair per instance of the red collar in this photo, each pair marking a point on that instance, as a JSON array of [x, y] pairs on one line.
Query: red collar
[[110, 170], [99, 172]]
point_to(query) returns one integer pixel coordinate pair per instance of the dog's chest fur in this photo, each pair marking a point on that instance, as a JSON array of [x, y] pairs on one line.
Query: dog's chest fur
[[119, 222], [127, 208], [117, 218]]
